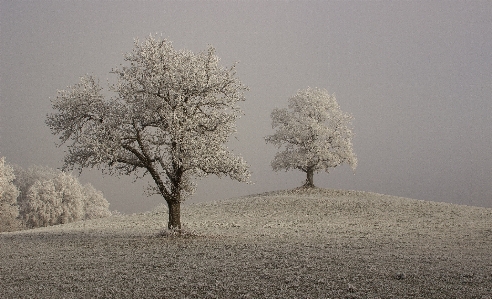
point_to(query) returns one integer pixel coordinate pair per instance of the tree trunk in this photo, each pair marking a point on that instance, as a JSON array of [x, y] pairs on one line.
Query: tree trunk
[[310, 178], [174, 215]]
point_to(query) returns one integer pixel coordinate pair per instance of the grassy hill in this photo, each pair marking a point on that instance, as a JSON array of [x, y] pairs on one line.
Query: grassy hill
[[286, 244]]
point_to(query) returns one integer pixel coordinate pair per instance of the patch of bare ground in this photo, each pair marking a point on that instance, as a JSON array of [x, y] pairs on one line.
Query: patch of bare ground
[[286, 244]]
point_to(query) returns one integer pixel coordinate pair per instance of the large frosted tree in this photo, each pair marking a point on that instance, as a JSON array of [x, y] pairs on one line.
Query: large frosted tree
[[313, 133], [171, 114]]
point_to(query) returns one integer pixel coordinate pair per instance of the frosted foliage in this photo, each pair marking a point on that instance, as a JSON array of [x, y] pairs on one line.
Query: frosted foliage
[[8, 196], [26, 178], [171, 115], [96, 206], [55, 201], [50, 197], [313, 132]]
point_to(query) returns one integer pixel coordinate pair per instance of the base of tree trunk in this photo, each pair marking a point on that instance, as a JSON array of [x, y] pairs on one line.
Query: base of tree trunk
[[309, 178], [308, 186], [174, 215]]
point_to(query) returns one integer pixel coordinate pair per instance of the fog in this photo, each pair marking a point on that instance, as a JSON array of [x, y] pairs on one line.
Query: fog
[[416, 76]]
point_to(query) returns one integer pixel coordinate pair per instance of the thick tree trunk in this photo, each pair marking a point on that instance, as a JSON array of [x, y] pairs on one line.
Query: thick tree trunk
[[310, 178], [174, 215]]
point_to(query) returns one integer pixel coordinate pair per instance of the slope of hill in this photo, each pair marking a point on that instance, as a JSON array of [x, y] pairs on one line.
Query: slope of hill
[[286, 244]]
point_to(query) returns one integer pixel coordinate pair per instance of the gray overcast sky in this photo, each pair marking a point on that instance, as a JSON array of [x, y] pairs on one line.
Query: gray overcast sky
[[416, 75]]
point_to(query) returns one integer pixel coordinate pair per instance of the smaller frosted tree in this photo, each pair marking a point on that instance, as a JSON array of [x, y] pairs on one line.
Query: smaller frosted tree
[[55, 201], [26, 178], [43, 207], [96, 206], [48, 197], [8, 197], [314, 134]]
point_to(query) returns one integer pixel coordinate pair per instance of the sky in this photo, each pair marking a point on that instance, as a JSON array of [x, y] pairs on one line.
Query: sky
[[416, 76]]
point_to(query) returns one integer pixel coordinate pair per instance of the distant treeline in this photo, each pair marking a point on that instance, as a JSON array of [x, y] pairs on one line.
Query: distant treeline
[[42, 196]]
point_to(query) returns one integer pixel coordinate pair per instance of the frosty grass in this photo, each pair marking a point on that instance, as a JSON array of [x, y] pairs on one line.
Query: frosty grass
[[287, 244]]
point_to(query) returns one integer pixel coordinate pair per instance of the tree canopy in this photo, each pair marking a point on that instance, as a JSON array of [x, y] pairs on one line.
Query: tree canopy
[[171, 115], [313, 132], [8, 197]]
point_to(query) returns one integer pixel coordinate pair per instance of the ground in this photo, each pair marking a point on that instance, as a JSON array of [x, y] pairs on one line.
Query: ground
[[312, 243]]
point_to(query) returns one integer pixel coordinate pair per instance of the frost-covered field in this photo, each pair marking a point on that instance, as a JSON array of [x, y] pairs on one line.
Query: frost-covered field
[[288, 244]]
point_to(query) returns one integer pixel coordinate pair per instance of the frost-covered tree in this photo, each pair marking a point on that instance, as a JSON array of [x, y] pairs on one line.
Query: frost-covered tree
[[26, 178], [95, 205], [43, 205], [49, 197], [55, 201], [171, 115], [9, 209], [314, 133]]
